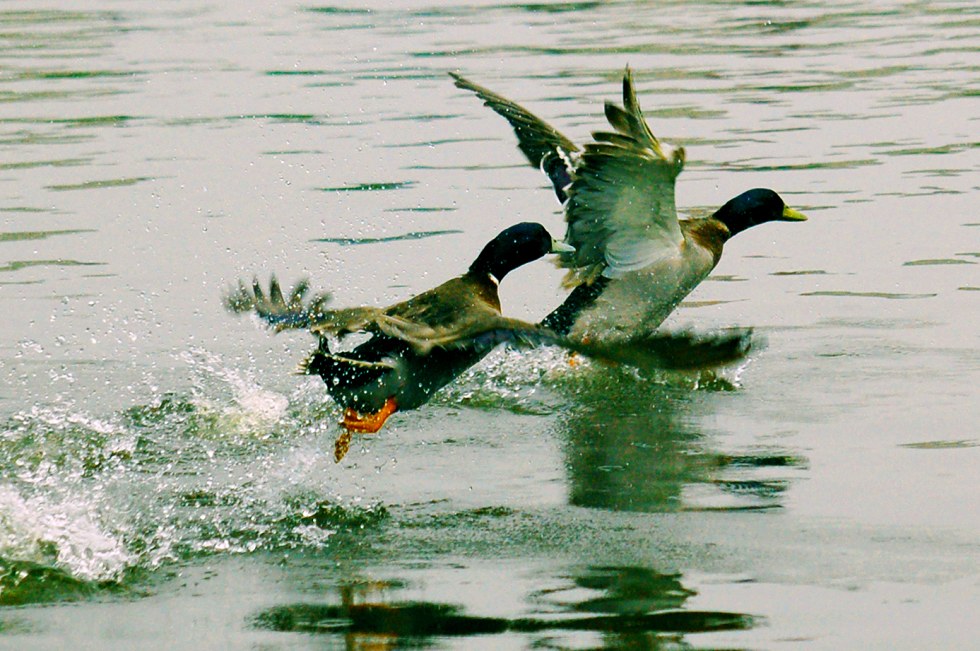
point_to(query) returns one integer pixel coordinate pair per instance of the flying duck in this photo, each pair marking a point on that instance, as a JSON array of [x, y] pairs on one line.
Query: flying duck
[[633, 261], [415, 347]]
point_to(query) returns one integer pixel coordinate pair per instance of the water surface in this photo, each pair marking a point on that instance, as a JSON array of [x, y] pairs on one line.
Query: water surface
[[165, 481]]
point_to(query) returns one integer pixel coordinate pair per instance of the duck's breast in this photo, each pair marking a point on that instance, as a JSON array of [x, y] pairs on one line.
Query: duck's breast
[[640, 300]]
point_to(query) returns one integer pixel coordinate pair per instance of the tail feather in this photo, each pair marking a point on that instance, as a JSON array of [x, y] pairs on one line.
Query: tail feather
[[562, 318]]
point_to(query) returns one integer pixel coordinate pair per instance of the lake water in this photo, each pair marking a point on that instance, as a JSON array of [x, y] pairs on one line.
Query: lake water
[[166, 482]]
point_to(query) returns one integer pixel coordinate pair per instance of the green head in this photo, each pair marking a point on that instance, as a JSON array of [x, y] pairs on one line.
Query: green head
[[516, 246], [755, 207]]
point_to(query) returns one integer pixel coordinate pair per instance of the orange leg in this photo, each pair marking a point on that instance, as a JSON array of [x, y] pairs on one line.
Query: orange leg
[[361, 424], [341, 445], [369, 423]]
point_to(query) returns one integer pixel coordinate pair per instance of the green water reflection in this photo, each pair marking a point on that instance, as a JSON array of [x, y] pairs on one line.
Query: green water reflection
[[624, 607], [634, 444]]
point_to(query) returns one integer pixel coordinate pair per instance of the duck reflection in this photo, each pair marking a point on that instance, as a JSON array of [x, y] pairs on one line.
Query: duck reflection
[[627, 607], [647, 606], [634, 444], [617, 590]]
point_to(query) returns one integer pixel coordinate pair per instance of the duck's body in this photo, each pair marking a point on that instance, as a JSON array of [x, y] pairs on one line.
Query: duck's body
[[416, 346], [642, 298], [388, 367], [634, 261]]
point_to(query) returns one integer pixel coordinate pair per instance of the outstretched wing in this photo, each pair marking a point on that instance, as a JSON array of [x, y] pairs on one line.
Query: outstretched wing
[[483, 329], [435, 319], [647, 351], [483, 332], [621, 213], [542, 144], [670, 350], [294, 313]]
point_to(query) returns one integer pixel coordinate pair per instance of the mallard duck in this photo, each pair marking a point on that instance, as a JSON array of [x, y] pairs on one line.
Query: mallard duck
[[633, 261], [415, 347]]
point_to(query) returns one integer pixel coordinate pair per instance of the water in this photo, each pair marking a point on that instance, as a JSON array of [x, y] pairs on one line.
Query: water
[[165, 482]]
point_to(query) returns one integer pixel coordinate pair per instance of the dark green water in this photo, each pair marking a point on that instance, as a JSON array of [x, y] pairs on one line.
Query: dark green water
[[166, 482]]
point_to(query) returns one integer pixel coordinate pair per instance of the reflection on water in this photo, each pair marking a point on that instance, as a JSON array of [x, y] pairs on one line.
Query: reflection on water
[[624, 607], [634, 444], [618, 590]]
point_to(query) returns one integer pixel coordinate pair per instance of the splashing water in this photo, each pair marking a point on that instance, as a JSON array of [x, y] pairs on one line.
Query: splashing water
[[64, 533], [251, 407], [231, 468]]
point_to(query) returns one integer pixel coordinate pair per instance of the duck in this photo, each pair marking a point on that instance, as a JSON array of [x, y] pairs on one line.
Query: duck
[[415, 347], [634, 260]]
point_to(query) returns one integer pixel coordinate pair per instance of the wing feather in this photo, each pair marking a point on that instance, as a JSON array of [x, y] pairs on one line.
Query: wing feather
[[621, 212], [277, 311], [651, 351], [542, 145], [482, 328]]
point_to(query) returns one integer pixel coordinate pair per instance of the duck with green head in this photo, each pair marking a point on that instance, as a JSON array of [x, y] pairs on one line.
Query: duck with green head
[[634, 261], [415, 347]]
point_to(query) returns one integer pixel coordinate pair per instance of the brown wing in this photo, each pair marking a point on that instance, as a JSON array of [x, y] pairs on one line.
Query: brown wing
[[461, 312], [542, 145], [445, 316]]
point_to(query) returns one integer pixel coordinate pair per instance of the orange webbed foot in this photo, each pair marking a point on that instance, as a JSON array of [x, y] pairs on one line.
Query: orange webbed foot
[[341, 445], [368, 423], [361, 424]]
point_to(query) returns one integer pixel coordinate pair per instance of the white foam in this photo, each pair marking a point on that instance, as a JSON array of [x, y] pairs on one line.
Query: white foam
[[63, 532]]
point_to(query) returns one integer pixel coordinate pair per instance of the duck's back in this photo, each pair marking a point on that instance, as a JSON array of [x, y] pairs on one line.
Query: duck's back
[[451, 303]]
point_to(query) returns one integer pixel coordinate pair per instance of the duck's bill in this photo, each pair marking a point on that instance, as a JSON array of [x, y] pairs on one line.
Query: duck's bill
[[557, 246], [791, 215]]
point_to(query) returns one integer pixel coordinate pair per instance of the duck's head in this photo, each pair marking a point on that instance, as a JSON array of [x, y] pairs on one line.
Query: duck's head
[[515, 246], [755, 207]]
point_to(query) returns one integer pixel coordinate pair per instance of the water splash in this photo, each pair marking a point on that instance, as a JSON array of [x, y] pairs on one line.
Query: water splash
[[231, 467], [508, 379], [65, 533]]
